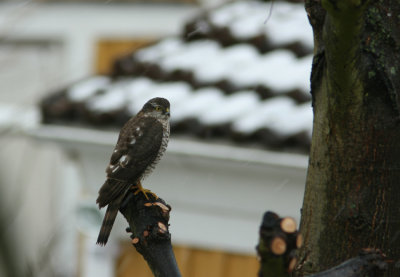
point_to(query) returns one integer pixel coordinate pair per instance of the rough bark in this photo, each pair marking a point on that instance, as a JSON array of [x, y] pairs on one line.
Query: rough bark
[[353, 183], [148, 222], [370, 263]]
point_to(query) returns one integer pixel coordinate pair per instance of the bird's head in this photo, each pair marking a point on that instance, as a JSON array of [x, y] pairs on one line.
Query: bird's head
[[157, 107]]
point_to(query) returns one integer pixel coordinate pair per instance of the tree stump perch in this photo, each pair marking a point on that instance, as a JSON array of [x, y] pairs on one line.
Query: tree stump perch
[[148, 223]]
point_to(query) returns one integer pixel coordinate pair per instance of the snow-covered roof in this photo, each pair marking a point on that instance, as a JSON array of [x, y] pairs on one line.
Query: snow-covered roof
[[239, 72], [282, 22]]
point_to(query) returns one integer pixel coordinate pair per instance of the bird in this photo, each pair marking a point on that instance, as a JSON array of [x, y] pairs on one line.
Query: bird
[[141, 143]]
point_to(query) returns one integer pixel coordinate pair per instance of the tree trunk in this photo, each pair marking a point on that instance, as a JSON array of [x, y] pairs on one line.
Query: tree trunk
[[352, 198]]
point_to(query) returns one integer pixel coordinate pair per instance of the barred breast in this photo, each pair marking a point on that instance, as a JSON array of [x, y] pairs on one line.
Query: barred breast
[[161, 151]]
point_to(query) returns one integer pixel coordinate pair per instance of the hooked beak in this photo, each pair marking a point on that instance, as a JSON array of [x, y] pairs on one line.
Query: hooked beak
[[167, 112]]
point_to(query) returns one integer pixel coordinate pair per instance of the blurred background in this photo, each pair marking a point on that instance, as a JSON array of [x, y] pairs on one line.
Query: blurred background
[[72, 72]]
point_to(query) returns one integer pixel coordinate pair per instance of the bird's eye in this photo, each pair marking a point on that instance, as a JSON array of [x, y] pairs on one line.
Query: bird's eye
[[158, 108]]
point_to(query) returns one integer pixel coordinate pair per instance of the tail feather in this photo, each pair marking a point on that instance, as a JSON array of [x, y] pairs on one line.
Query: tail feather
[[110, 190], [108, 221]]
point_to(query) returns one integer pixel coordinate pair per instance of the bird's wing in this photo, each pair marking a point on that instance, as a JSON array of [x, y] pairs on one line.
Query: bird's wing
[[136, 149]]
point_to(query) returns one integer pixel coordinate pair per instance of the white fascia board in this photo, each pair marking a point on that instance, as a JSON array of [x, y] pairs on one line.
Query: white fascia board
[[73, 136]]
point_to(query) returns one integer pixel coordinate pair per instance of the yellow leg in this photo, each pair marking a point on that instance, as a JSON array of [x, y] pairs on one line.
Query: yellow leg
[[139, 189]]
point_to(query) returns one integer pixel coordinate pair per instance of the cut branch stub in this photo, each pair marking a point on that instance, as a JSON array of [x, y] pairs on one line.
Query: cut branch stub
[[299, 240], [288, 225], [148, 221], [278, 245], [135, 240], [279, 240]]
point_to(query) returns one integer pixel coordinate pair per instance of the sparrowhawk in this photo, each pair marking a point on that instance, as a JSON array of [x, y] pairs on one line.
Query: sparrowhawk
[[141, 143]]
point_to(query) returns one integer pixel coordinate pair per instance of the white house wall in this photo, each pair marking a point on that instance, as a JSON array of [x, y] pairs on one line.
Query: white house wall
[[79, 26], [218, 193]]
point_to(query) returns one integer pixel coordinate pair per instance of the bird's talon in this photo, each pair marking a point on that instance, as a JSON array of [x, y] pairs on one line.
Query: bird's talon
[[139, 189]]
